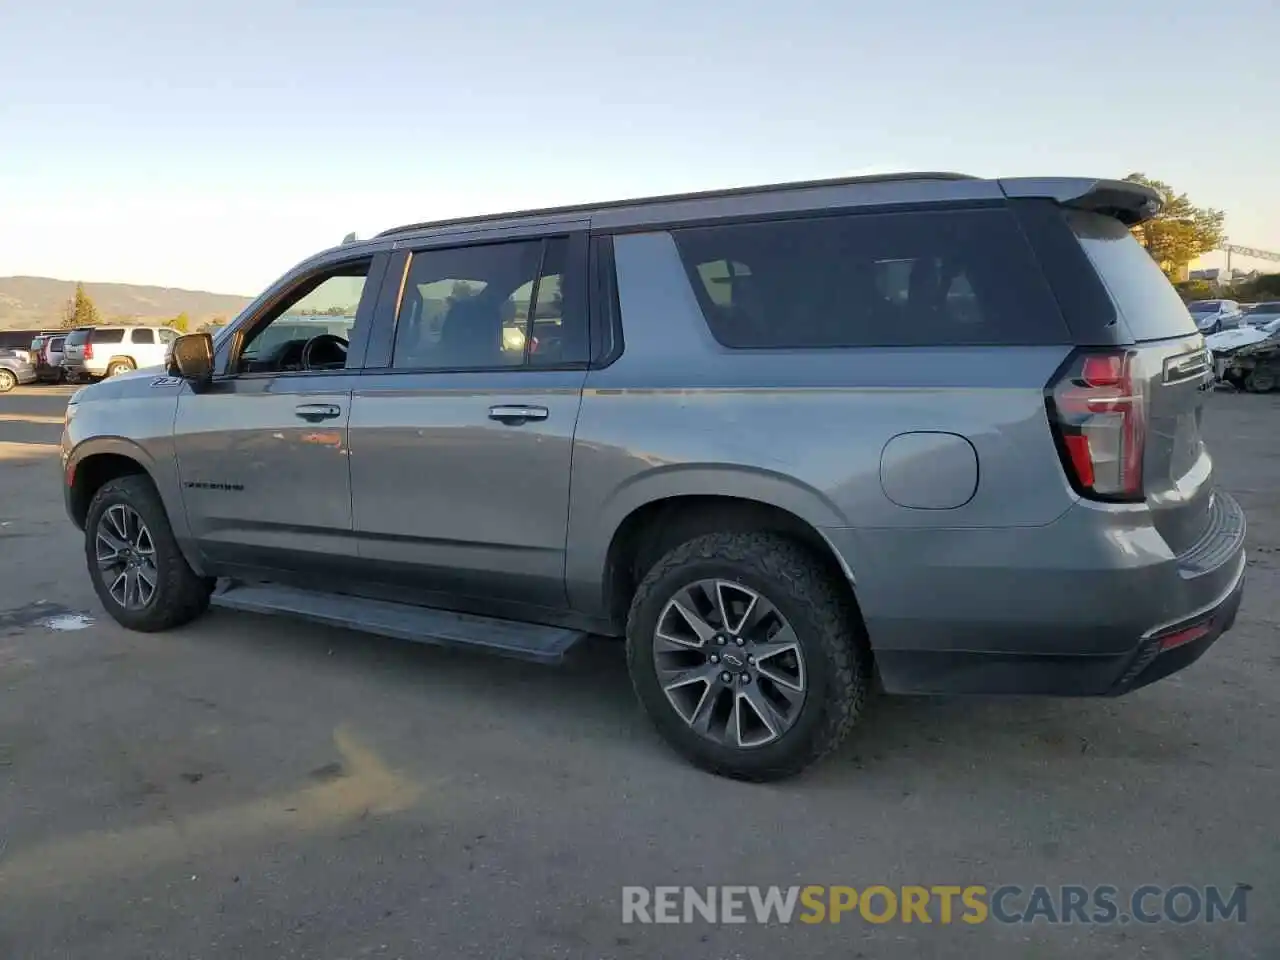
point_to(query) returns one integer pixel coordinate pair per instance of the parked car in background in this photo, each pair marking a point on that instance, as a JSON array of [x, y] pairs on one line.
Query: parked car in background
[[48, 359], [1214, 315], [15, 369], [938, 430], [109, 351], [1261, 314]]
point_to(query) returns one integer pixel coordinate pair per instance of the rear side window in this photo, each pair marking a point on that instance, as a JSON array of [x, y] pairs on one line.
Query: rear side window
[[953, 278], [1145, 299], [106, 336], [144, 336]]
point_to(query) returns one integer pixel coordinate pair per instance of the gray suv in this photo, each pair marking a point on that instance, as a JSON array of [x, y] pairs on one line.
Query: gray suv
[[931, 430]]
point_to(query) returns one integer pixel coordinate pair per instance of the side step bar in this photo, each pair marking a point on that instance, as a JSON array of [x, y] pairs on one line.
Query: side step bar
[[524, 641]]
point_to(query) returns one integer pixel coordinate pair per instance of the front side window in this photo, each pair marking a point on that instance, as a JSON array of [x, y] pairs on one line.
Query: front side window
[[487, 307], [943, 278], [309, 330]]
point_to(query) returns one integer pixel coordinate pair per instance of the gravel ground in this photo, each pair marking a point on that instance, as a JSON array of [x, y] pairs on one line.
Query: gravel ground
[[259, 788]]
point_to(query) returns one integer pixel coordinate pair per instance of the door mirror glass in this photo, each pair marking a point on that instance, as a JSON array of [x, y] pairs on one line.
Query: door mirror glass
[[193, 358]]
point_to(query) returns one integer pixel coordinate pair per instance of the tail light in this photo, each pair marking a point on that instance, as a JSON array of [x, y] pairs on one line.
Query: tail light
[[88, 350], [1098, 410]]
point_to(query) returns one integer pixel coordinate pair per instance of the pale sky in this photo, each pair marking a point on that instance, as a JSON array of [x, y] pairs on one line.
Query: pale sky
[[213, 145]]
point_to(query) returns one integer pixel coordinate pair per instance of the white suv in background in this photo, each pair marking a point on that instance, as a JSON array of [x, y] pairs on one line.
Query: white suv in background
[[108, 351]]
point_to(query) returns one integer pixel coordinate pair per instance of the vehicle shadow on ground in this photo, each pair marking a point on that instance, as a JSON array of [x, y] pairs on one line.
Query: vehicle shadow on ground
[[590, 696]]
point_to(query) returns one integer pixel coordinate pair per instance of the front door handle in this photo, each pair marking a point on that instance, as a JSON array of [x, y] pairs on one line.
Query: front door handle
[[515, 414], [315, 412]]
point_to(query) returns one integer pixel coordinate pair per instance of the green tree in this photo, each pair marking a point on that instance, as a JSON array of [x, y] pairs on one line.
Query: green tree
[[1180, 232], [181, 323], [82, 311]]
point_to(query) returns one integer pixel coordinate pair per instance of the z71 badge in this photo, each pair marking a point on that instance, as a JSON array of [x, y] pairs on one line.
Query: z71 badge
[[166, 381]]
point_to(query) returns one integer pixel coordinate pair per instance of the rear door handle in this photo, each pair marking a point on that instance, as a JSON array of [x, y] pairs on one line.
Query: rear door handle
[[515, 414], [315, 412]]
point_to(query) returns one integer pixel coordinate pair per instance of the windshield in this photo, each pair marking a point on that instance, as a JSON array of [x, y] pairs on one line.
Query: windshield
[[1204, 306]]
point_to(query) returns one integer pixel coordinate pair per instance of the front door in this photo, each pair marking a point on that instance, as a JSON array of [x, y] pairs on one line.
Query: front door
[[461, 445], [262, 451]]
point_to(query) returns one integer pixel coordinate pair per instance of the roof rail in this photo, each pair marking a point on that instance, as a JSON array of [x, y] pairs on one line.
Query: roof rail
[[672, 198]]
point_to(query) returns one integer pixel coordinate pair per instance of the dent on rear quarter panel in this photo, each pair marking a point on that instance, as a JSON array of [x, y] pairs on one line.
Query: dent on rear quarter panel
[[800, 429]]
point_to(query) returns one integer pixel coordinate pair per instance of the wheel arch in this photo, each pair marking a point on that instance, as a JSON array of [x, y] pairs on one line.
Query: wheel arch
[[93, 464], [655, 526]]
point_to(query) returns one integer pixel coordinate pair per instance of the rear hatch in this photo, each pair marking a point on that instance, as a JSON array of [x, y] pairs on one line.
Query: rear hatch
[[73, 346], [1145, 394]]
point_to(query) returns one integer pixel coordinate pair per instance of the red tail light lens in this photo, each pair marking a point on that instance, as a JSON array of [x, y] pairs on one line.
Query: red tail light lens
[[88, 350], [1098, 411]]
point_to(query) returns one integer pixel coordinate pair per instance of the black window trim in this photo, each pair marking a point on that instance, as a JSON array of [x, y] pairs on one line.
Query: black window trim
[[387, 320], [356, 347], [606, 314]]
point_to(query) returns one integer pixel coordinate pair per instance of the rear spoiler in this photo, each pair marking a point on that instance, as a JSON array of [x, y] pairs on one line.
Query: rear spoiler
[[1130, 203]]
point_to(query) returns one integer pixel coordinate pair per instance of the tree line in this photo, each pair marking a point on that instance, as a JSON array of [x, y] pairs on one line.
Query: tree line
[[81, 311]]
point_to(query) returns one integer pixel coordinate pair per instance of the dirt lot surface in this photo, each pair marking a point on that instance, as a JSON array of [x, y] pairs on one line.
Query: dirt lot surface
[[259, 788]]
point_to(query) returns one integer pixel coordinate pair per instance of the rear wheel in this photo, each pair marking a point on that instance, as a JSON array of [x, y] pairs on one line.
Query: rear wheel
[[7, 381], [138, 571], [118, 367], [748, 658]]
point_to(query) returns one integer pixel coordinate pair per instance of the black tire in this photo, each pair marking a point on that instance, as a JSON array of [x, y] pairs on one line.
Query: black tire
[[826, 623], [180, 595], [7, 381], [117, 367], [1260, 380]]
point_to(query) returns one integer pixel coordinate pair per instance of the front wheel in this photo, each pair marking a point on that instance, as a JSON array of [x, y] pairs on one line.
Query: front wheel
[[747, 655], [138, 571], [7, 381], [1260, 380]]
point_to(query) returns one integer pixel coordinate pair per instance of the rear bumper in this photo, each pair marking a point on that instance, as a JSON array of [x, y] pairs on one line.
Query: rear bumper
[[1082, 607], [78, 368]]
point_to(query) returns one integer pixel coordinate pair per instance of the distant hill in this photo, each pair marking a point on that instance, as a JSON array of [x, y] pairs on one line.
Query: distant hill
[[29, 302]]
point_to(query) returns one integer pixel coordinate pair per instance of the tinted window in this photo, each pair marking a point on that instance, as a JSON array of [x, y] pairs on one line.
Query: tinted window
[[77, 337], [144, 336], [1204, 306], [884, 279], [106, 336], [56, 344], [492, 306], [1142, 294]]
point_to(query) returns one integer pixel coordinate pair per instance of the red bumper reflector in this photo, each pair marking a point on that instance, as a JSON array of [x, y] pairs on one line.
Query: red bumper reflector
[[1185, 636]]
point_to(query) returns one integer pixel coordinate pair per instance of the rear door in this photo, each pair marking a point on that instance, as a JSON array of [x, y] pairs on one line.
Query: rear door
[[462, 426], [1175, 369]]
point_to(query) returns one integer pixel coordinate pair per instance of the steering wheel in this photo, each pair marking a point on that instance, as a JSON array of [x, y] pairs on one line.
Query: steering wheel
[[323, 340]]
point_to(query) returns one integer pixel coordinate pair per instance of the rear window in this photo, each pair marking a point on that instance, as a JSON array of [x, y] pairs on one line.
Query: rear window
[[77, 338], [56, 343], [1143, 296], [961, 277], [1204, 306]]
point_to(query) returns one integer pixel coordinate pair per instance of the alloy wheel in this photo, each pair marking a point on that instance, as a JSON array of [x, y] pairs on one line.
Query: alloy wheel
[[126, 557], [729, 663]]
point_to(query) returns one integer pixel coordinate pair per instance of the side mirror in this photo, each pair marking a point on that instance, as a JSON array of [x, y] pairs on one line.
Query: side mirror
[[192, 359]]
